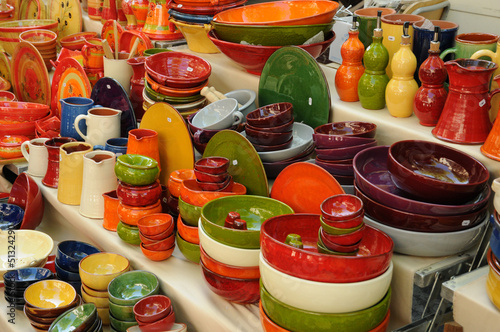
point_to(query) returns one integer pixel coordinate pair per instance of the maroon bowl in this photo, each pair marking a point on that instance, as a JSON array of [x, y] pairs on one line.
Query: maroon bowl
[[207, 177], [262, 137], [26, 194], [216, 186], [274, 168], [278, 129], [325, 141], [418, 222], [201, 136], [330, 245], [342, 153], [348, 128], [348, 239], [435, 172], [271, 115], [341, 207], [264, 148], [138, 195], [163, 324], [152, 308], [212, 165], [242, 291], [336, 168], [374, 179], [371, 260]]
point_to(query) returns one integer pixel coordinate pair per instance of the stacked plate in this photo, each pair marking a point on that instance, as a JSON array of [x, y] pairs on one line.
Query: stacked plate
[[44, 41]]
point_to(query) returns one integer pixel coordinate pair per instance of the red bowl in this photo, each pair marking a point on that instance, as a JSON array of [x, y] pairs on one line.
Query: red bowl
[[201, 136], [7, 96], [226, 270], [154, 224], [278, 129], [326, 141], [138, 195], [22, 111], [271, 115], [175, 180], [242, 291], [216, 186], [345, 224], [197, 9], [348, 239], [342, 153], [372, 259], [152, 308], [165, 237], [254, 57], [26, 128], [336, 167], [163, 324], [212, 165], [207, 177], [157, 255], [335, 247], [262, 137], [348, 128], [188, 233], [341, 207], [26, 194], [192, 194]]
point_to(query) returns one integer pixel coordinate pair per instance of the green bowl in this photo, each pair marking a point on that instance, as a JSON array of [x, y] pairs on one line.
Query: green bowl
[[299, 320], [129, 234], [129, 287], [122, 312], [338, 231], [253, 209], [136, 170], [269, 35], [151, 51], [190, 250], [81, 318], [155, 96], [120, 325], [189, 213]]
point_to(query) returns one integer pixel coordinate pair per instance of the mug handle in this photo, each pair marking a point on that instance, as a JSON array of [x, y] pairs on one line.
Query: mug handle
[[77, 120], [452, 50], [99, 147], [238, 116], [24, 151]]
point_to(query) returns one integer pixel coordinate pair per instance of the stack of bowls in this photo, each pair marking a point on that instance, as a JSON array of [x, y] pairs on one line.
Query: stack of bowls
[[230, 255], [154, 313], [298, 284], [96, 272], [48, 299], [75, 41], [10, 31], [342, 227], [174, 188], [423, 226], [44, 41], [26, 114], [156, 232], [211, 174], [139, 193], [16, 282], [82, 318], [337, 143], [11, 216], [124, 292], [68, 256], [270, 128]]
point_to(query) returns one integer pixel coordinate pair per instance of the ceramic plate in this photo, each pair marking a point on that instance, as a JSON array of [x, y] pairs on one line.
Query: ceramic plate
[[69, 80], [68, 14], [31, 9], [107, 92], [304, 186], [245, 165], [176, 148], [5, 66], [107, 33], [30, 78], [127, 40], [293, 75]]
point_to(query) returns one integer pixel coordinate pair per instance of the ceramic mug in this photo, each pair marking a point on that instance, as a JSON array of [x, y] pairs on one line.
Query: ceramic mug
[[220, 114], [367, 19], [467, 44], [93, 53], [120, 70], [116, 145], [36, 155], [70, 108], [246, 100], [102, 124]]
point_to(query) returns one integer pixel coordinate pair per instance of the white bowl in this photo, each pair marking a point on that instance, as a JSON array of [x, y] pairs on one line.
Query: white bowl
[[227, 254], [246, 100], [324, 297], [220, 114], [431, 244]]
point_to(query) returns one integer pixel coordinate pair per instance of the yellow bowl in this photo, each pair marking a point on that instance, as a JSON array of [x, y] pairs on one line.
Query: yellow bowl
[[100, 302], [10, 31], [493, 280], [104, 315], [93, 292], [196, 36], [47, 294], [97, 270]]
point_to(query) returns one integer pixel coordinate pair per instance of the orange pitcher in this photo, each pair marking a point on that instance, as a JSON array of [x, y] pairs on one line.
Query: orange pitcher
[[144, 142]]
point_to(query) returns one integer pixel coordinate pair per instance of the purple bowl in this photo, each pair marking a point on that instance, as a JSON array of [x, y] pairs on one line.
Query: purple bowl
[[373, 179], [336, 168], [278, 129], [348, 128], [325, 141], [263, 137], [201, 136], [342, 153]]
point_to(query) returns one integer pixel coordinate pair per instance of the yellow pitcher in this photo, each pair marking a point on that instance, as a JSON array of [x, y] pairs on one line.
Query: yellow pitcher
[[69, 190]]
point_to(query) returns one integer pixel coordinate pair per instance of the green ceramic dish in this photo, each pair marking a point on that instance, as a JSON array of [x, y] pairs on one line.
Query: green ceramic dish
[[122, 312], [253, 209], [79, 318], [155, 96], [190, 250], [338, 231], [152, 51], [189, 213], [129, 234], [120, 325], [269, 35], [130, 287], [299, 320], [136, 170]]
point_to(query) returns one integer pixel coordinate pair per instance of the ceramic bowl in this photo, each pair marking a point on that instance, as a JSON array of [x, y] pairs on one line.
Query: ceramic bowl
[[495, 234], [7, 96], [212, 165], [427, 244], [136, 170], [131, 215], [200, 19], [97, 270], [47, 294], [342, 153], [372, 259], [201, 136], [327, 141], [122, 312], [39, 37], [128, 234], [190, 250], [10, 146], [226, 270], [101, 302], [157, 255], [130, 287], [196, 36], [227, 254], [22, 278], [246, 99], [192, 193], [78, 319], [226, 185], [120, 325], [53, 312], [155, 224], [242, 291], [254, 57], [11, 216], [262, 137], [138, 195], [161, 245], [336, 167], [71, 252], [152, 308], [76, 41], [280, 13], [66, 275], [348, 128], [253, 209], [48, 127], [175, 180], [154, 239], [189, 213], [22, 111], [347, 239], [178, 70], [95, 293], [10, 31], [349, 226], [164, 324], [42, 320], [374, 179], [271, 115], [26, 194], [278, 129], [188, 233], [493, 279], [435, 172], [207, 177], [341, 207]]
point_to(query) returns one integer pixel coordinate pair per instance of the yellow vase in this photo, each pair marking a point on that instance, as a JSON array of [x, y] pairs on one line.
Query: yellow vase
[[69, 190]]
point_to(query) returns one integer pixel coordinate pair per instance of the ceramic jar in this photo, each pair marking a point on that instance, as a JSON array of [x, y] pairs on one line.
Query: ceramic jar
[[136, 170], [130, 215], [51, 178], [139, 195], [69, 190]]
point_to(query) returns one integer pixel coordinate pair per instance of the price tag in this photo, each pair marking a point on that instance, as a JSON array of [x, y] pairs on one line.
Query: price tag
[[391, 38]]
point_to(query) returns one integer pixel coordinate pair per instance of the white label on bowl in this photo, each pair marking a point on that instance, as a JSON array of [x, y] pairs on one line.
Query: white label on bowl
[[235, 162], [391, 38], [465, 222], [189, 69], [482, 102]]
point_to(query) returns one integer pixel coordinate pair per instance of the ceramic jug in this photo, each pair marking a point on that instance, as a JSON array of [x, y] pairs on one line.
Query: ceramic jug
[[350, 71], [69, 190], [110, 220], [465, 118], [137, 85], [35, 153], [98, 178], [491, 147], [51, 178], [145, 143], [70, 108], [103, 123]]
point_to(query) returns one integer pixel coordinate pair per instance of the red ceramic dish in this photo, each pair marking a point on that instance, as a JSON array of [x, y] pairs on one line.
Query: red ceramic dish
[[176, 178], [157, 255], [152, 308], [264, 148], [344, 239], [262, 137], [178, 70], [341, 207], [216, 186], [127, 40], [7, 96], [26, 194], [212, 165], [207, 177], [175, 92], [76, 41], [130, 215], [188, 233], [436, 173], [163, 324], [201, 136], [23, 111], [348, 128], [335, 247], [10, 146], [154, 224], [26, 128], [271, 115], [138, 195], [342, 153], [344, 224], [336, 168], [165, 237], [372, 259], [48, 127], [226, 270], [191, 193], [278, 129]]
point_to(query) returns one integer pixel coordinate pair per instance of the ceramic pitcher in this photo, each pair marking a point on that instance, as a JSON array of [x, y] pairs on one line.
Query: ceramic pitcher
[[69, 190], [491, 147], [98, 178], [36, 155], [70, 108], [103, 123], [144, 142], [51, 178], [137, 85]]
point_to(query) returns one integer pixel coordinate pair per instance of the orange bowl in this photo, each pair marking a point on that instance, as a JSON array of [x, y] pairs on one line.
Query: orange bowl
[[10, 31], [77, 40], [130, 215], [191, 193], [154, 224], [157, 255], [160, 245], [39, 37], [188, 233], [231, 271], [176, 178], [165, 236]]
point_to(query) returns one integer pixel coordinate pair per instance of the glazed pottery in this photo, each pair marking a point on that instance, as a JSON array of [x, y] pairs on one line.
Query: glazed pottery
[[110, 220], [70, 108], [36, 155], [76, 41], [98, 178], [218, 115], [189, 213], [493, 279], [490, 148], [246, 100], [140, 10], [157, 26], [152, 308], [130, 287], [175, 180], [23, 277], [228, 270], [130, 215], [193, 194], [367, 19], [144, 142], [26, 194], [467, 44], [69, 189], [495, 57], [51, 178], [11, 216], [349, 129], [93, 53], [341, 207], [43, 294], [128, 233], [80, 317], [102, 124], [136, 170], [154, 224], [137, 85], [196, 36], [70, 253], [139, 195], [119, 69], [97, 270], [191, 251], [116, 145]]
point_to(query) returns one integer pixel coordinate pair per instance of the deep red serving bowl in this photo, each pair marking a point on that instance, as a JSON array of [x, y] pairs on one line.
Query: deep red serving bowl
[[271, 115], [138, 195], [348, 128], [207, 177], [342, 153], [226, 270], [335, 167], [277, 129]]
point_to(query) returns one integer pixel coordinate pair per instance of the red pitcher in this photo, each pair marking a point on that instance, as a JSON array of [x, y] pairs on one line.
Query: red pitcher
[[51, 178]]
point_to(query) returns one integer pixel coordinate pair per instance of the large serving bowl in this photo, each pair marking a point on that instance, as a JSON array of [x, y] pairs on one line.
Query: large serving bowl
[[70, 253], [80, 318], [228, 270], [130, 287], [192, 193], [435, 172], [280, 13], [26, 194], [372, 259], [253, 209], [254, 57], [48, 294], [97, 270], [10, 31]]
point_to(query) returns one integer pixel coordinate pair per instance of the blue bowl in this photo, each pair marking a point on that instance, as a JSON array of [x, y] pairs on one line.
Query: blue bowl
[[22, 278], [495, 234], [11, 216], [201, 19], [66, 275], [70, 253]]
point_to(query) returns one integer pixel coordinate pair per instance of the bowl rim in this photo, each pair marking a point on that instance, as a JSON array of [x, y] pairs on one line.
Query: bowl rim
[[80, 269], [122, 301], [57, 281]]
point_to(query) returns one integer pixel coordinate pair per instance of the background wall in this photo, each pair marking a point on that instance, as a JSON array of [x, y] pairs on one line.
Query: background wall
[[476, 15]]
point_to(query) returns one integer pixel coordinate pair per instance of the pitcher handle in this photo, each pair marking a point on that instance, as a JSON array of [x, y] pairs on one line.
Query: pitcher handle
[[482, 53], [24, 151], [448, 51], [77, 120]]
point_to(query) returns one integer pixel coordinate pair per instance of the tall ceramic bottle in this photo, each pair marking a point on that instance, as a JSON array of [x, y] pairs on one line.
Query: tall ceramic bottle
[[402, 87], [371, 86], [431, 96], [351, 70]]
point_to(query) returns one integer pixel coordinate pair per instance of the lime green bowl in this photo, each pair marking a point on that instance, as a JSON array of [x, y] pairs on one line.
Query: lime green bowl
[[130, 287], [122, 312], [253, 209], [338, 231], [189, 213], [190, 250], [120, 325], [79, 318], [129, 234], [136, 170]]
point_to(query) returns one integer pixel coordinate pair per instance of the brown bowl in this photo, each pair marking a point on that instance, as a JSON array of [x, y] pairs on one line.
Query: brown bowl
[[278, 129], [271, 115], [264, 148], [348, 128]]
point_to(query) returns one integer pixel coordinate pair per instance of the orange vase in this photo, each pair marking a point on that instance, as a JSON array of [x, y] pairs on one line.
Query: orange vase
[[144, 142]]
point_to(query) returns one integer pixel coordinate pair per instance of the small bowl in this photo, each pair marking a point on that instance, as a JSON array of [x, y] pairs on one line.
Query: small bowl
[[138, 195], [348, 128], [131, 215], [80, 318], [161, 245], [154, 224], [330, 229], [231, 271], [190, 250], [120, 325], [48, 294], [189, 213], [268, 148], [212, 165], [343, 153], [341, 207], [10, 146], [153, 239], [262, 137], [325, 243], [271, 115], [94, 276], [7, 96], [164, 324], [52, 312], [70, 253], [76, 41], [188, 233], [327, 141], [493, 279], [128, 234], [278, 129], [152, 308], [39, 38], [65, 275], [122, 312], [22, 278], [11, 216], [176, 178], [207, 177], [157, 255], [136, 170], [101, 302], [192, 193], [226, 185], [95, 293], [130, 287]]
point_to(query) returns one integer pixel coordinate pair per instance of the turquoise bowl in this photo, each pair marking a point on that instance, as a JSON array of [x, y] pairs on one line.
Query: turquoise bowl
[[122, 312], [253, 209], [129, 287], [80, 318], [136, 170], [189, 213], [120, 325], [190, 250], [129, 234]]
